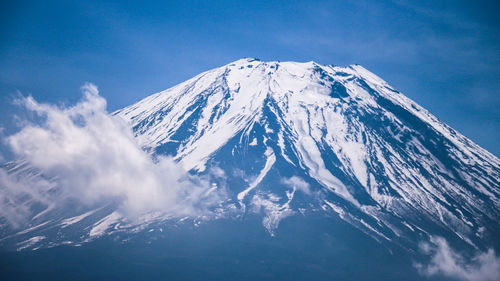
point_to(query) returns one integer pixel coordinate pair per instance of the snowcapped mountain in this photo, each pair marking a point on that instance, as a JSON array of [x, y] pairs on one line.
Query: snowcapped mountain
[[295, 139]]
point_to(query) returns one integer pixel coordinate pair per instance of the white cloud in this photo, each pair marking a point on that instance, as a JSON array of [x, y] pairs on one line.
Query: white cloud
[[93, 158], [446, 262], [13, 193], [298, 183]]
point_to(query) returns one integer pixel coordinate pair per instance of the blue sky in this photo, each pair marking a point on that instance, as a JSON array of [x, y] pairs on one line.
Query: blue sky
[[445, 56]]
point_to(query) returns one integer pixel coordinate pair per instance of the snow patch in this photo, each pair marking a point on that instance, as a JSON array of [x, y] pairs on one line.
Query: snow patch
[[271, 158], [101, 226]]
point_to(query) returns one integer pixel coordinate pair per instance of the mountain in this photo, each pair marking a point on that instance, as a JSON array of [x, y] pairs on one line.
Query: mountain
[[297, 140], [379, 160]]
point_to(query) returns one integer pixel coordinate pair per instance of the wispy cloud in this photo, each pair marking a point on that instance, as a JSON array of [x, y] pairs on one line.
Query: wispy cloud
[[17, 194], [444, 261], [93, 157]]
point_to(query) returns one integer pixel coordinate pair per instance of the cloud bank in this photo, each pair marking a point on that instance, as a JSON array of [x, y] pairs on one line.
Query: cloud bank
[[446, 262], [92, 157]]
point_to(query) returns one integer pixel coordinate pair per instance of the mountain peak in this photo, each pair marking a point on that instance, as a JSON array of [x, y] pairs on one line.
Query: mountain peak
[[233, 96]]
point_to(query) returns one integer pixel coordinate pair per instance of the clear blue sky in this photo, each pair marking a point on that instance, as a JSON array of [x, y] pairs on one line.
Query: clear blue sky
[[445, 56]]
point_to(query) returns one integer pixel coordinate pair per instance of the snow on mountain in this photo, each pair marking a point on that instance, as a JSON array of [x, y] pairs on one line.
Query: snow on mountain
[[297, 138]]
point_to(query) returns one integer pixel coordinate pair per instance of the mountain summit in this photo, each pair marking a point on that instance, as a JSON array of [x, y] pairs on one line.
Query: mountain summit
[[303, 139]]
